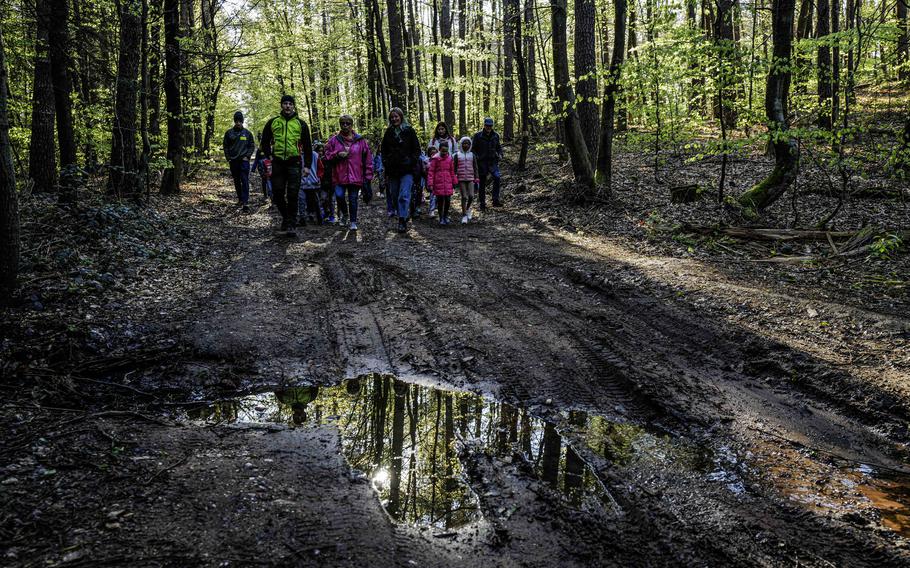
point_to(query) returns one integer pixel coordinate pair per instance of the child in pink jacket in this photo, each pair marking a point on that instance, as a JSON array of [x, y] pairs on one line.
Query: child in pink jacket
[[441, 180], [468, 176]]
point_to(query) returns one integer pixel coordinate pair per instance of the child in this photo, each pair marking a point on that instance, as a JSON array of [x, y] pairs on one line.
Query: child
[[263, 165], [441, 180], [468, 175], [419, 185], [326, 190], [431, 153], [308, 199]]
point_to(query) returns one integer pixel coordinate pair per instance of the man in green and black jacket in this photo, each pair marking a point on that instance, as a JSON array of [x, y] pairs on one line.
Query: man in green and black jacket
[[285, 138]]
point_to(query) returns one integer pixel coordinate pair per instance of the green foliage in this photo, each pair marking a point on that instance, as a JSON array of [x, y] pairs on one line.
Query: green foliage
[[886, 246]]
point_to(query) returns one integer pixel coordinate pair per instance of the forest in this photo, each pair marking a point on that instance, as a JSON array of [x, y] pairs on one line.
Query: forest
[[678, 335]]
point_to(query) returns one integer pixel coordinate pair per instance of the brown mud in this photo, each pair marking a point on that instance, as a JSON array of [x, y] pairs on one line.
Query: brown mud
[[565, 398]]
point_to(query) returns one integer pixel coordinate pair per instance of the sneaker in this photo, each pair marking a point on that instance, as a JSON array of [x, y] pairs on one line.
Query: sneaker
[[344, 220], [245, 208], [497, 204], [353, 226], [401, 227], [330, 220], [284, 226], [470, 215], [464, 219], [291, 230], [442, 221], [391, 214]]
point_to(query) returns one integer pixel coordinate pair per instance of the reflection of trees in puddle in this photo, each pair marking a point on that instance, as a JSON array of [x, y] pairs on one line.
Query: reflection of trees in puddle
[[404, 437]]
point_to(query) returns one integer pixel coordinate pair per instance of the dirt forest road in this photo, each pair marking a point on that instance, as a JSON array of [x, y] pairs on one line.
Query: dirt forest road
[[550, 322], [704, 435]]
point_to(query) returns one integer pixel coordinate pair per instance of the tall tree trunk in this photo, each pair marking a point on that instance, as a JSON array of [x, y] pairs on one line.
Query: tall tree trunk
[[622, 118], [42, 162], [574, 138], [835, 62], [397, 87], [170, 181], [509, 23], [725, 42], [63, 84], [903, 43], [448, 95], [418, 64], [154, 79], [435, 28], [9, 207], [462, 69], [521, 63], [604, 175], [824, 64], [124, 179], [530, 62], [586, 72], [777, 91]]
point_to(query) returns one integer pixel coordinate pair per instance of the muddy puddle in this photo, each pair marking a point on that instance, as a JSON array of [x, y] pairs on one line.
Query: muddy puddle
[[410, 441], [859, 492]]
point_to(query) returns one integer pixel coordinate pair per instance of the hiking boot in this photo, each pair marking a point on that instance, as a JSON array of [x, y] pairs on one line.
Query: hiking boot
[[245, 208], [353, 226], [284, 226]]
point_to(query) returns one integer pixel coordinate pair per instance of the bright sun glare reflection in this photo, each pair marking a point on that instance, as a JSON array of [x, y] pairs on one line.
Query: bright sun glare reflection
[[381, 477]]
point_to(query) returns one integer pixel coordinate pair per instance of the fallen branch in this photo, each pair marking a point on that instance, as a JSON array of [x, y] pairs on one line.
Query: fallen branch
[[783, 235]]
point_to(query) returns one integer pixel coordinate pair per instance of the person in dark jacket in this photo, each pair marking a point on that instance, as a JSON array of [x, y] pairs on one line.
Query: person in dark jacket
[[488, 150], [285, 139], [238, 148], [401, 160]]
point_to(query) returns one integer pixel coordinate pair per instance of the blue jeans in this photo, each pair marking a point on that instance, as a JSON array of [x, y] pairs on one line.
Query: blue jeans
[[353, 192], [240, 171], [400, 193], [488, 170]]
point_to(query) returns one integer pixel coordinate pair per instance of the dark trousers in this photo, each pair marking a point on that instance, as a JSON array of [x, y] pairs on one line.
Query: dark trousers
[[286, 188], [240, 171], [484, 171], [443, 202]]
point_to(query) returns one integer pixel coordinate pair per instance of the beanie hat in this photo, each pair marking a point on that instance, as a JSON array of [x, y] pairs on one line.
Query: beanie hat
[[288, 99], [488, 121], [238, 116]]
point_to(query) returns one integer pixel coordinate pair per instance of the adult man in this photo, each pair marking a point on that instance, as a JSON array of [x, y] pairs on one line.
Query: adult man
[[488, 150], [285, 138], [238, 147]]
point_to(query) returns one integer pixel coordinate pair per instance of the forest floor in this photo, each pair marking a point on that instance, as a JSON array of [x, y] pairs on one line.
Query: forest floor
[[707, 402]]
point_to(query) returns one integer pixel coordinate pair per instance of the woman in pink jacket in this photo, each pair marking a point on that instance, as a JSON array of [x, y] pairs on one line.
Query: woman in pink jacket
[[349, 155], [441, 180]]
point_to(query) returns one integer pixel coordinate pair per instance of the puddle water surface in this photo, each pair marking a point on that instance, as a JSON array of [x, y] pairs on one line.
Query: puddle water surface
[[406, 437]]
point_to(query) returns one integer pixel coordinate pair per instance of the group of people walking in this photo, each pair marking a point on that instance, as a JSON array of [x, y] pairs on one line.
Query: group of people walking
[[341, 171]]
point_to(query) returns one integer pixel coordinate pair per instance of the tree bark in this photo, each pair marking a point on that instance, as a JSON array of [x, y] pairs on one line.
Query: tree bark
[[604, 176], [42, 162], [462, 69], [574, 138], [448, 95], [520, 60], [9, 207], [824, 65], [786, 155], [509, 23], [63, 84], [397, 88], [726, 44], [586, 72], [154, 79], [124, 180], [530, 62], [170, 181], [903, 43]]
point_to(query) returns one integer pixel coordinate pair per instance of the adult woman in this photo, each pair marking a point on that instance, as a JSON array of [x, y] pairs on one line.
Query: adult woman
[[442, 136], [352, 164], [401, 161]]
